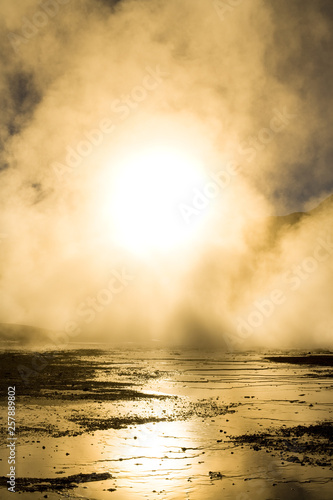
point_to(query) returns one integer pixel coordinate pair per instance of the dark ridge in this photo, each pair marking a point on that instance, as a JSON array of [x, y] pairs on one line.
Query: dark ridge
[[277, 226], [23, 334], [325, 205], [317, 359]]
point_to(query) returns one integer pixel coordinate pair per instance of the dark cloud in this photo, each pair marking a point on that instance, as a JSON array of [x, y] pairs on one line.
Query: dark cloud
[[23, 98], [300, 59], [109, 3]]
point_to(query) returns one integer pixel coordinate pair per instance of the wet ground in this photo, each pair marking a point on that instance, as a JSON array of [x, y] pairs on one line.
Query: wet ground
[[133, 423]]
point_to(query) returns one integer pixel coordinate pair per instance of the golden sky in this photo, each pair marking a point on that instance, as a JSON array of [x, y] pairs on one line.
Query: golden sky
[[145, 144]]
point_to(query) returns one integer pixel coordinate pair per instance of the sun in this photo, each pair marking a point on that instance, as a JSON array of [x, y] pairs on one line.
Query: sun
[[148, 190]]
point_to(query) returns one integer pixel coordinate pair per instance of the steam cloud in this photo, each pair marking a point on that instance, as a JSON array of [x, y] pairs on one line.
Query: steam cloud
[[239, 83]]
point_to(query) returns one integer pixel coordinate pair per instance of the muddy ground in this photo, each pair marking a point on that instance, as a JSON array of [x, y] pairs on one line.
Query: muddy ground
[[91, 422]]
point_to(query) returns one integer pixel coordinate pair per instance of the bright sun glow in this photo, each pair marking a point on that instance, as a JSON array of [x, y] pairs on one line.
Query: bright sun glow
[[148, 191]]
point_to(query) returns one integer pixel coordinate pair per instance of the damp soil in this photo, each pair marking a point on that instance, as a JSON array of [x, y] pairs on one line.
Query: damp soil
[[306, 445], [90, 422], [55, 484]]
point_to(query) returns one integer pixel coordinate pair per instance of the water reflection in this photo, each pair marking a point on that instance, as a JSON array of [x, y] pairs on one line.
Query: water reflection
[[189, 452]]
